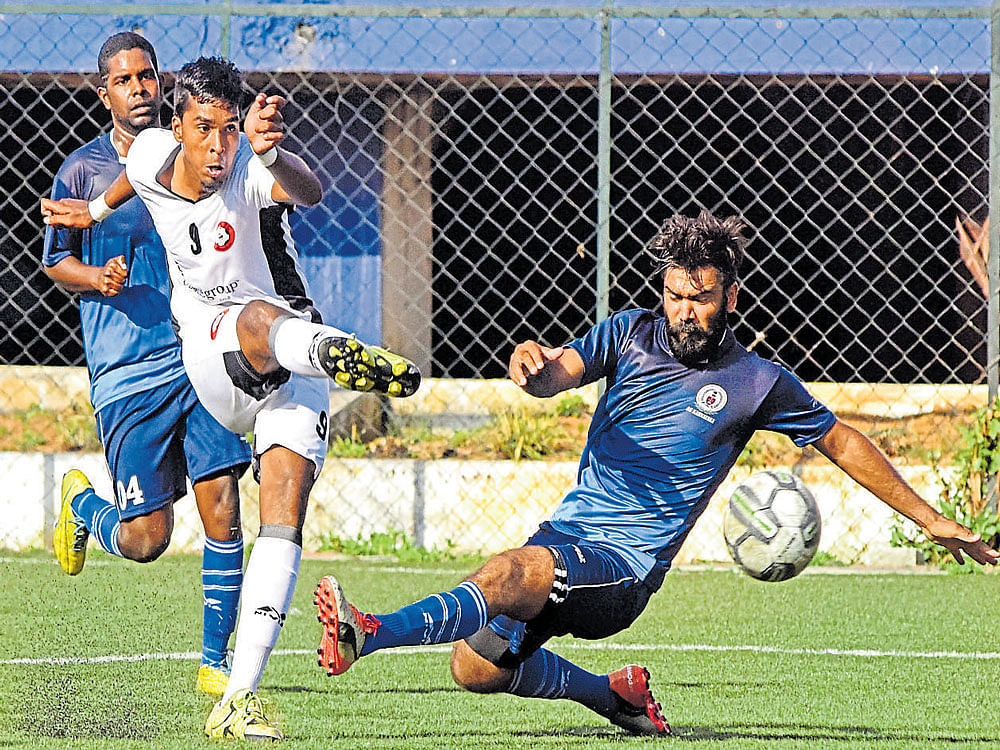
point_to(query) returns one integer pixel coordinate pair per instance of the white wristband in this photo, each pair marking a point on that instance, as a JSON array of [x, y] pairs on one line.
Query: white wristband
[[99, 209], [269, 157]]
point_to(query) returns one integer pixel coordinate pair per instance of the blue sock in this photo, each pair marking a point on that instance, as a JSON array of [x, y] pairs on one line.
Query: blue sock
[[101, 519], [221, 580], [548, 675], [438, 618]]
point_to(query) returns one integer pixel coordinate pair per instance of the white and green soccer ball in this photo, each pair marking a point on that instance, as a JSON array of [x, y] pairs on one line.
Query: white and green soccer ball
[[772, 526]]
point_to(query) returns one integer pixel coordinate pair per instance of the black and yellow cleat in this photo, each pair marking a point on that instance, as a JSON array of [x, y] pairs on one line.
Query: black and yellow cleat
[[362, 367], [242, 717], [71, 535]]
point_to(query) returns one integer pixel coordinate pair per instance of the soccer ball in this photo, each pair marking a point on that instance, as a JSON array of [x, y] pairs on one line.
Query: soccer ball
[[772, 526]]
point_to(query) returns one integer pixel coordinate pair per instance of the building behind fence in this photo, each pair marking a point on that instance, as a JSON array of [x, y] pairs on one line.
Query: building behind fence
[[493, 174]]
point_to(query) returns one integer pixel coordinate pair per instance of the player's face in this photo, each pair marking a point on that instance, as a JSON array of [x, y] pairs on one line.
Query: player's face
[[209, 133], [696, 307], [132, 91]]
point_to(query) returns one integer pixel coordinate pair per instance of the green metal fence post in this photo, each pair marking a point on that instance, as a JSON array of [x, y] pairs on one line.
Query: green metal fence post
[[993, 263], [226, 19], [604, 167]]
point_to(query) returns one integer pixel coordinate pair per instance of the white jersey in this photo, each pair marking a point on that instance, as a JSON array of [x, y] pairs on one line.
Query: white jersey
[[228, 248]]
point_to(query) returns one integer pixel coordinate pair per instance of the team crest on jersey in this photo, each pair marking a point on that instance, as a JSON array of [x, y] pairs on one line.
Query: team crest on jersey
[[711, 398], [225, 236]]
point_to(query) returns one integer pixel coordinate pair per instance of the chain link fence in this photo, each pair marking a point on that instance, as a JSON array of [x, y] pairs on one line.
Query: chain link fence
[[493, 175]]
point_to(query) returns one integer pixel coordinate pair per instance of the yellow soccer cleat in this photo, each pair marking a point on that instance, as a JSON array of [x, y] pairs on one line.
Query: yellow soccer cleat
[[212, 679], [242, 717], [70, 537]]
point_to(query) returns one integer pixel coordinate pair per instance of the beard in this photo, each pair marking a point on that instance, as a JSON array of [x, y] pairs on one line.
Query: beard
[[693, 345]]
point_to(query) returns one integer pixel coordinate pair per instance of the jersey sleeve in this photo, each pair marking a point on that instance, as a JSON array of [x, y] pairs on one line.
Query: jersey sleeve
[[789, 409], [600, 347], [143, 152], [259, 180], [61, 243]]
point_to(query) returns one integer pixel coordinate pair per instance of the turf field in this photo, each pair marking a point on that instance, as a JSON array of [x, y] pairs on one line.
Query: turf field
[[823, 661]]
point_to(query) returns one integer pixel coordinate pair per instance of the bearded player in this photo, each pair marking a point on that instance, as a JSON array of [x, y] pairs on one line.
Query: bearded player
[[682, 400]]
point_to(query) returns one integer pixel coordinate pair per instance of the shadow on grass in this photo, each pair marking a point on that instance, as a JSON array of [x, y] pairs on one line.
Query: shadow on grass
[[811, 733], [355, 690]]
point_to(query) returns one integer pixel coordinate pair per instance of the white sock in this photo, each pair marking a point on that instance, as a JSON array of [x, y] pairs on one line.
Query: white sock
[[292, 341], [268, 586]]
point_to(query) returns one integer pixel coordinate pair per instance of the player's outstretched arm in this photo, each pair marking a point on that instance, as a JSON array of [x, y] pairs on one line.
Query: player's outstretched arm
[[295, 182], [867, 465], [544, 371], [75, 213], [74, 276]]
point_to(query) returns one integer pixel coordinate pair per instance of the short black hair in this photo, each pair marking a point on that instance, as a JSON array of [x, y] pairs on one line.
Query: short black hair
[[120, 42], [690, 244], [208, 79]]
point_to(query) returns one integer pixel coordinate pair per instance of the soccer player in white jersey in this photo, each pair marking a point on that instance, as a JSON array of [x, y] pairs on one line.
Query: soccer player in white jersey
[[153, 429], [251, 340]]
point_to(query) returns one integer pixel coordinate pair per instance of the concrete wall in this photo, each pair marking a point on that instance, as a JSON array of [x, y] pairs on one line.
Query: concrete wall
[[475, 506]]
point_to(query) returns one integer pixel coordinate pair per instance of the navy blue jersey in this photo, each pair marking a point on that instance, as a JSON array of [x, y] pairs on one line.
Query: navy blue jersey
[[664, 436], [128, 339]]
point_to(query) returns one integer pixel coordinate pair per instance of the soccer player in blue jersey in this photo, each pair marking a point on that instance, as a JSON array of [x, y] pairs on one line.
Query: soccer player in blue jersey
[[683, 398], [152, 426]]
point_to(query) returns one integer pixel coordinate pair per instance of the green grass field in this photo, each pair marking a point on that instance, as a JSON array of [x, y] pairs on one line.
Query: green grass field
[[850, 661]]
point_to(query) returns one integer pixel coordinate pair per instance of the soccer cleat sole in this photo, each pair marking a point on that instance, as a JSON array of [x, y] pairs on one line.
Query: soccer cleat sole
[[645, 720], [357, 367], [338, 646]]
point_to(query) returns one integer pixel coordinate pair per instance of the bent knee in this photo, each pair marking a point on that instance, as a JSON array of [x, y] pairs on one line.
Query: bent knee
[[143, 550], [474, 673], [145, 538]]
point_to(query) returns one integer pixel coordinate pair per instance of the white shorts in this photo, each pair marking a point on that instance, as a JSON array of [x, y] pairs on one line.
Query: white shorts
[[281, 409]]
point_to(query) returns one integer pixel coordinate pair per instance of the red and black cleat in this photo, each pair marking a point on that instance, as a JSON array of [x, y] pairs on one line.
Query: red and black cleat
[[638, 712], [344, 627]]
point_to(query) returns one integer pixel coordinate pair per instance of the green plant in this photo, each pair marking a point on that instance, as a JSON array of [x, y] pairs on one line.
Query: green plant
[[753, 456], [341, 447], [30, 440], [388, 544], [30, 413], [571, 406], [77, 432], [968, 495], [827, 560], [517, 434]]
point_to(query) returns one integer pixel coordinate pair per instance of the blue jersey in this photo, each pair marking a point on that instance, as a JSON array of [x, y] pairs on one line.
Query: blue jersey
[[128, 338], [664, 436]]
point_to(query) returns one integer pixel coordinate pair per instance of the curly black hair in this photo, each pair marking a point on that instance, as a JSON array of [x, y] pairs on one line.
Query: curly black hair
[[690, 244]]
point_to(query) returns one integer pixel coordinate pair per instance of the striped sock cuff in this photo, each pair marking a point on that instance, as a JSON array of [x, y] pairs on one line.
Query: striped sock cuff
[[480, 601], [105, 530]]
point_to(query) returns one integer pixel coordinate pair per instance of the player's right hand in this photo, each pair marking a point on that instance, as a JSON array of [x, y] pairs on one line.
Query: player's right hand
[[264, 124], [67, 213], [958, 539], [529, 358], [112, 276]]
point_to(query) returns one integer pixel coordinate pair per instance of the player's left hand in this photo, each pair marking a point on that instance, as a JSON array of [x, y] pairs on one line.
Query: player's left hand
[[67, 213], [111, 278], [958, 539], [264, 124]]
